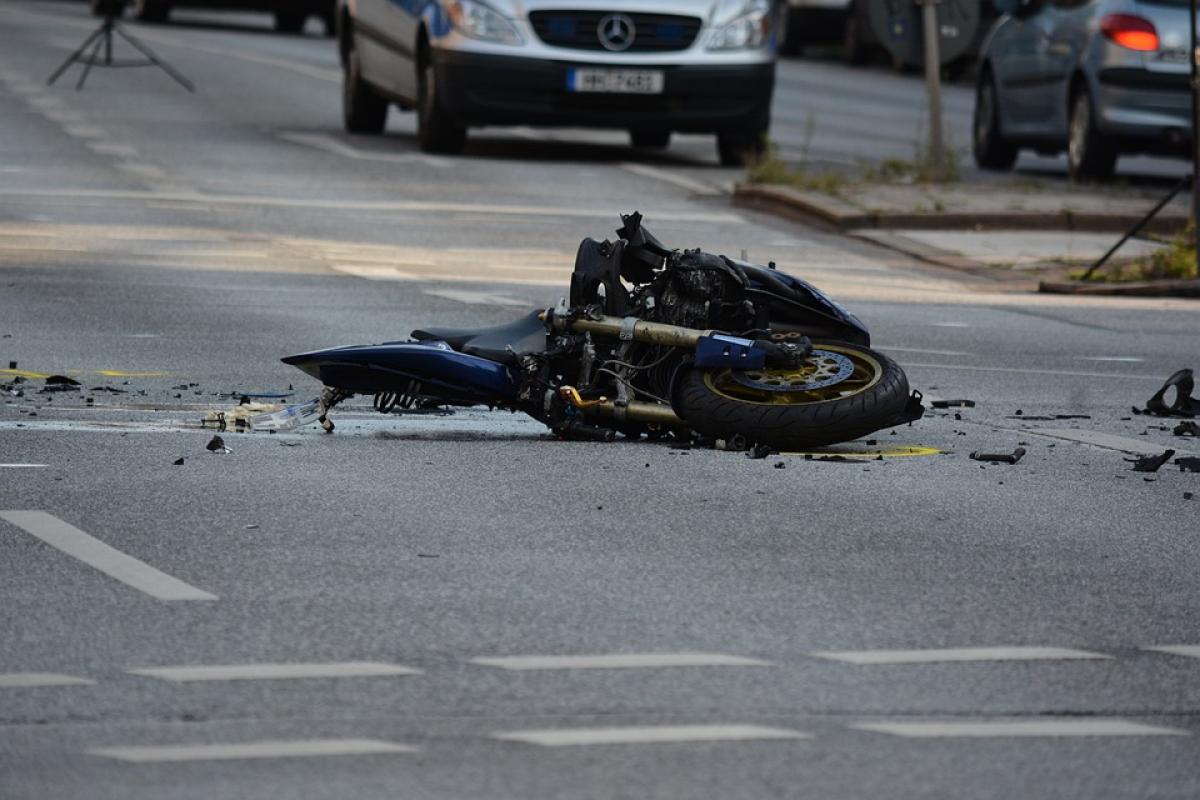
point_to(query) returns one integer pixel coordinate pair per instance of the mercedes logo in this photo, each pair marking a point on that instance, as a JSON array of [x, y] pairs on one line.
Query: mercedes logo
[[616, 32]]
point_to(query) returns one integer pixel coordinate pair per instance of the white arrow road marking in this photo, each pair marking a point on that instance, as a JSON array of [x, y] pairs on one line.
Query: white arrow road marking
[[619, 661], [311, 748], [29, 680], [260, 672], [96, 554], [956, 654], [1017, 728], [655, 734]]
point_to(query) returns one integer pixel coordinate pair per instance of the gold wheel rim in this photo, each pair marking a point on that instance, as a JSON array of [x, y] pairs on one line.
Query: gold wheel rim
[[867, 372]]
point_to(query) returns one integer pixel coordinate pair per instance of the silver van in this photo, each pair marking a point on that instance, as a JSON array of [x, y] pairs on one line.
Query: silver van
[[651, 67]]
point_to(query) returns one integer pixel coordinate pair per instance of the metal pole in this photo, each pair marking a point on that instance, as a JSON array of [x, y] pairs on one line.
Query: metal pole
[[933, 80], [1195, 137]]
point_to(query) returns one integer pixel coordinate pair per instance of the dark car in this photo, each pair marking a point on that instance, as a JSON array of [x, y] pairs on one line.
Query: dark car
[[290, 15]]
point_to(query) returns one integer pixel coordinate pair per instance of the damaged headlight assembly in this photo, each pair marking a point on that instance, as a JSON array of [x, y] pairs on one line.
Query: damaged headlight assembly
[[749, 30], [480, 21]]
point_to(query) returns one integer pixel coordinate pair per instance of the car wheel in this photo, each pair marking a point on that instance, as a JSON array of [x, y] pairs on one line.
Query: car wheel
[[102, 8], [1090, 155], [854, 49], [650, 138], [739, 149], [151, 10], [437, 131], [290, 21], [991, 149], [363, 110]]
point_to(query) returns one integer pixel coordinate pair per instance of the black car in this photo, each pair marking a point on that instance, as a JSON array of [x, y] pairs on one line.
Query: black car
[[290, 15]]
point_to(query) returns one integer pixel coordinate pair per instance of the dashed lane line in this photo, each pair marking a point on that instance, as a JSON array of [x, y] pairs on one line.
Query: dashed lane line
[[261, 672], [98, 555], [329, 144], [960, 654], [22, 466], [31, 680], [619, 661], [310, 748], [1020, 371], [652, 734], [984, 729], [1188, 650], [1106, 441]]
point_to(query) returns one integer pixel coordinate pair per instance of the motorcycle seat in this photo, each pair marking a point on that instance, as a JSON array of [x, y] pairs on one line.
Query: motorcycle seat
[[504, 344]]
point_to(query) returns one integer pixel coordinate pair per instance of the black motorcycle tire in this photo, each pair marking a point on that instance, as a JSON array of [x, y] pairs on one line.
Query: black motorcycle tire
[[798, 425]]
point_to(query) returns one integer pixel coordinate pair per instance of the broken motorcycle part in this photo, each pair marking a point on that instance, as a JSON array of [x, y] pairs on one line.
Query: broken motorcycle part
[[953, 404], [1188, 464], [1000, 458], [1150, 463], [653, 342], [1187, 429], [1182, 403]]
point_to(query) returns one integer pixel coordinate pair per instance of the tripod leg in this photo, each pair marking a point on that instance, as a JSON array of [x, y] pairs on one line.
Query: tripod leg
[[91, 62], [74, 57], [155, 60]]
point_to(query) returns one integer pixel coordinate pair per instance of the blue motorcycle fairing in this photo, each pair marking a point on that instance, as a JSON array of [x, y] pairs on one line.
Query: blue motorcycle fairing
[[441, 371]]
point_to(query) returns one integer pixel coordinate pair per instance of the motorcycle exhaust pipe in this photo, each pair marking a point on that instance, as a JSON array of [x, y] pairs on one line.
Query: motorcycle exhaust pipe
[[634, 410], [632, 329]]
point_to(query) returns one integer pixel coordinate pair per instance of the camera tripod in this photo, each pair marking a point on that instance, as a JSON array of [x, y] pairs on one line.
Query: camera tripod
[[97, 51]]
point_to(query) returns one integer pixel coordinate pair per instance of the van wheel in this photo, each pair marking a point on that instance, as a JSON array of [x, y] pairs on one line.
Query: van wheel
[[991, 149], [437, 131], [290, 21], [650, 138], [363, 110], [854, 49], [739, 149]]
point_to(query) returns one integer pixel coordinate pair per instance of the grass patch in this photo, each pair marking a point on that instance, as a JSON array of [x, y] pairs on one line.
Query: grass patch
[[769, 168], [1177, 260]]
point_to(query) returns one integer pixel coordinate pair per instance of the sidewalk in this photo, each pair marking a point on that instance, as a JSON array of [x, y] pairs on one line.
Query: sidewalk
[[1025, 226]]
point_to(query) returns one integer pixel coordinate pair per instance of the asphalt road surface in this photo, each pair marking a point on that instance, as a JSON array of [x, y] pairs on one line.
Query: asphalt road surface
[[458, 606]]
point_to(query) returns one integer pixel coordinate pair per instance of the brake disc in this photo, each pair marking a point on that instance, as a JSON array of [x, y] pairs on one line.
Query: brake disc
[[821, 369]]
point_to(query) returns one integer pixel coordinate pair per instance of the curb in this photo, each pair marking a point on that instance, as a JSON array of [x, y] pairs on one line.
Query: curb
[[1164, 288], [806, 206]]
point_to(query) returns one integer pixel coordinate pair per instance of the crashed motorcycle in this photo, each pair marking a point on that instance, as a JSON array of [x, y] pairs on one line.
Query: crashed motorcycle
[[653, 341]]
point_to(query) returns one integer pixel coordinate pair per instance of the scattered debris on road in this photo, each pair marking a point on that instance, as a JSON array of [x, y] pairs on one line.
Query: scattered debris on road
[[60, 383], [1187, 429], [953, 404], [999, 458], [217, 445], [759, 451], [177, 462], [1189, 464], [1150, 463], [1183, 405]]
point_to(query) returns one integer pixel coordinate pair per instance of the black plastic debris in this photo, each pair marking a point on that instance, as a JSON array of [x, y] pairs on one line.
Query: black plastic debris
[[217, 445], [1188, 495], [834, 459], [1150, 463], [999, 458], [758, 451], [1187, 429], [1072, 416], [177, 462], [953, 404], [1182, 405], [60, 383], [1189, 464], [780, 465]]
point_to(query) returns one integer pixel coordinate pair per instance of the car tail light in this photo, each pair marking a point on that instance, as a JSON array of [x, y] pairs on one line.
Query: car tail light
[[1130, 32]]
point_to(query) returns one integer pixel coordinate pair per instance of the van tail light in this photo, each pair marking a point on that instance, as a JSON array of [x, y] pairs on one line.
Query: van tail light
[[1130, 32]]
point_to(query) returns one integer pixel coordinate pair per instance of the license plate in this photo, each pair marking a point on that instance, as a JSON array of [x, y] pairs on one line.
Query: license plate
[[616, 81]]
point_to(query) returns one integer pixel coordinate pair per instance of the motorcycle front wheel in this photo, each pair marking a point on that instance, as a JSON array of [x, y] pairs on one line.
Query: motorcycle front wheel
[[841, 392]]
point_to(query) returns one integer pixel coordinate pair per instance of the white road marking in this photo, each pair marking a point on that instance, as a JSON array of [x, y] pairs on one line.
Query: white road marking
[[382, 206], [663, 176], [619, 661], [478, 298], [1108, 441], [1189, 650], [1117, 359], [85, 131], [950, 325], [1017, 728], [311, 748], [263, 672], [22, 466], [934, 656], [29, 680], [137, 168], [96, 554], [373, 273], [919, 350], [331, 145], [655, 734], [1017, 371], [114, 149]]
